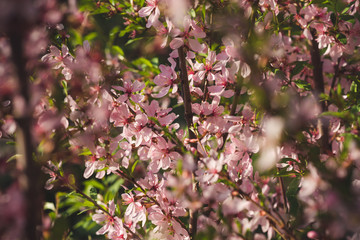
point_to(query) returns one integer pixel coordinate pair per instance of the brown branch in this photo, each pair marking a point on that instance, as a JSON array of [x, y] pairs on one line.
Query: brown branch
[[319, 88], [132, 180], [78, 190], [317, 66], [283, 193], [189, 121], [336, 75], [233, 108], [186, 91], [278, 224], [30, 171]]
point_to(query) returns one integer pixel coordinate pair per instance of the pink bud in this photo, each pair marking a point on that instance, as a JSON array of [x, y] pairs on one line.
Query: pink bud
[[312, 235]]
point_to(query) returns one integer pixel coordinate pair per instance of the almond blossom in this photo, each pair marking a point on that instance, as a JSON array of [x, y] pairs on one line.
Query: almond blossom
[[151, 10], [112, 224], [190, 30], [251, 130]]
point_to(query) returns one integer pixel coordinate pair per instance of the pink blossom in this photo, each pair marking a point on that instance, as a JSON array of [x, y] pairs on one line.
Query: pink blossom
[[207, 69], [139, 129], [214, 167], [135, 212], [166, 79], [164, 32], [60, 59], [129, 89], [168, 227], [151, 182], [111, 221], [121, 115], [161, 155], [92, 165], [190, 30], [51, 170], [151, 10]]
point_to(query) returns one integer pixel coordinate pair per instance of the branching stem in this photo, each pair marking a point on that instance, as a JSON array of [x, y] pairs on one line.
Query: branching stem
[[133, 181], [76, 189]]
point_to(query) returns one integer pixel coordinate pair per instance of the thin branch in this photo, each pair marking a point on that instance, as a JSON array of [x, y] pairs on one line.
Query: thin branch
[[276, 223], [319, 88], [336, 75], [121, 174], [189, 121], [78, 190], [317, 66], [283, 193], [186, 91], [233, 108]]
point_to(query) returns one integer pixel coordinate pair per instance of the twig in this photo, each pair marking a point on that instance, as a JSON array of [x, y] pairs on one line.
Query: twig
[[75, 188], [186, 91], [121, 174], [276, 223], [336, 75], [233, 108], [283, 193]]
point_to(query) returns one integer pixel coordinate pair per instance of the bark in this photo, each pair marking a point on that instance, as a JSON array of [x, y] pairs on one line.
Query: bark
[[189, 121], [29, 177]]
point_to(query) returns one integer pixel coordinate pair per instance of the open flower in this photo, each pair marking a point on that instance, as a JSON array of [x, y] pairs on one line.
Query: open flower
[[51, 170], [112, 224], [151, 10]]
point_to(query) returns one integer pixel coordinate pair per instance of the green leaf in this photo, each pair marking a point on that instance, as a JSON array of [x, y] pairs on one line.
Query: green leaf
[[336, 114], [303, 85], [143, 62], [115, 187], [65, 87], [293, 187], [85, 152], [91, 36], [60, 227], [100, 10], [49, 206], [93, 193], [228, 183], [94, 183], [291, 195], [299, 66], [342, 38], [203, 11], [134, 165], [133, 40], [117, 50], [13, 157], [192, 13], [209, 233]]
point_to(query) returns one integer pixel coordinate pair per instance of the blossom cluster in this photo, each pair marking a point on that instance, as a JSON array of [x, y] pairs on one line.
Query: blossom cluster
[[265, 143]]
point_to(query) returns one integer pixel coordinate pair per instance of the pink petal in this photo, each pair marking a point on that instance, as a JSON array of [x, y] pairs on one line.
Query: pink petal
[[145, 11], [176, 43], [98, 217], [104, 229], [89, 171], [245, 70], [162, 92], [195, 45], [112, 207]]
